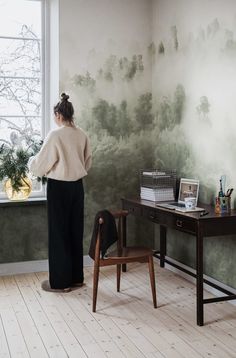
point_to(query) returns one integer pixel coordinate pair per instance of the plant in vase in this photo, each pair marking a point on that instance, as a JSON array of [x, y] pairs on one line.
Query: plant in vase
[[14, 169]]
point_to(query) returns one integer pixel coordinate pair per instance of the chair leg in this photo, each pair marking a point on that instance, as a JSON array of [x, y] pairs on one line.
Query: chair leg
[[95, 285], [152, 280], [118, 273]]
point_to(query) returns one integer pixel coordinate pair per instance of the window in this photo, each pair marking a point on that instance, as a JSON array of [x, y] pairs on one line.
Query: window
[[22, 68]]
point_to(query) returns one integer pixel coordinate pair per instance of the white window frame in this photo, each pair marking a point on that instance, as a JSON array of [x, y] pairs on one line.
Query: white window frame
[[49, 74]]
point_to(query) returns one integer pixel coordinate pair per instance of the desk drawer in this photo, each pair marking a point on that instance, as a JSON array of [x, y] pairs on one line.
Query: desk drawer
[[151, 214], [167, 218], [173, 221], [180, 223], [132, 208]]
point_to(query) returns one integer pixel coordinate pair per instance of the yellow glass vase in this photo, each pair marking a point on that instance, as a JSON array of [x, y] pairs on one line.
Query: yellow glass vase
[[21, 194]]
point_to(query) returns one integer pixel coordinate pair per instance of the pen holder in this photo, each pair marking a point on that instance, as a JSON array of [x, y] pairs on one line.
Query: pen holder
[[225, 203]]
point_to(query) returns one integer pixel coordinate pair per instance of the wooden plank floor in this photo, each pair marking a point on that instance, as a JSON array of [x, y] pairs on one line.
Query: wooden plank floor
[[38, 324]]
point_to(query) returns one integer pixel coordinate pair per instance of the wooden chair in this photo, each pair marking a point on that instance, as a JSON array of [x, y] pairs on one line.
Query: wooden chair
[[122, 255]]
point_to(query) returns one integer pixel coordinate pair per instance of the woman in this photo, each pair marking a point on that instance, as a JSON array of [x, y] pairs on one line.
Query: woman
[[64, 159]]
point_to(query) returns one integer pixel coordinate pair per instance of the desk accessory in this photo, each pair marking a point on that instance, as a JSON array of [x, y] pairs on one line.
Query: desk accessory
[[204, 213], [222, 185], [223, 201], [217, 205], [158, 185]]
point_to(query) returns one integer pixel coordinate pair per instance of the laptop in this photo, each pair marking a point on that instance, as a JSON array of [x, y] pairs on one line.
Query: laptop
[[187, 187]]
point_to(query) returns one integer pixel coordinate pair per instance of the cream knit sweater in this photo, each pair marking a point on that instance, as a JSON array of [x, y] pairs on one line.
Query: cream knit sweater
[[65, 155]]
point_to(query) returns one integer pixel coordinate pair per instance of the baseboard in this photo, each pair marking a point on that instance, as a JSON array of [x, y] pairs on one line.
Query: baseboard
[[13, 268], [208, 288]]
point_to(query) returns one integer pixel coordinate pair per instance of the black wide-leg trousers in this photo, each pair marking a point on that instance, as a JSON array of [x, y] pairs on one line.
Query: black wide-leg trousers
[[65, 203]]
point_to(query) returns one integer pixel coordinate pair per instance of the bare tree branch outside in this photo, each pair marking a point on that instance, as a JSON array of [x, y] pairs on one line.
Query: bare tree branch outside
[[20, 72]]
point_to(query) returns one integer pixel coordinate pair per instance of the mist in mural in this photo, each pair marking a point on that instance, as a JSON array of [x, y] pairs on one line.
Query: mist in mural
[[108, 75], [119, 128], [194, 88], [155, 89]]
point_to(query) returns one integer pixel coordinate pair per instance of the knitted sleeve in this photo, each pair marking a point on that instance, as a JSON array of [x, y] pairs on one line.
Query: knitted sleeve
[[47, 157], [87, 155]]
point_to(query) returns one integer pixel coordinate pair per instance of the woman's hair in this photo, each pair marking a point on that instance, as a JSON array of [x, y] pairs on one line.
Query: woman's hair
[[65, 108]]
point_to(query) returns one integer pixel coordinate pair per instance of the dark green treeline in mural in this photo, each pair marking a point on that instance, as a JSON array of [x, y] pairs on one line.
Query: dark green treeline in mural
[[127, 136], [153, 85], [105, 66], [120, 134]]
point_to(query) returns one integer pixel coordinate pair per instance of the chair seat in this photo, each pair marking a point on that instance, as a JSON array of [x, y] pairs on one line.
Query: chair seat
[[107, 232], [130, 253]]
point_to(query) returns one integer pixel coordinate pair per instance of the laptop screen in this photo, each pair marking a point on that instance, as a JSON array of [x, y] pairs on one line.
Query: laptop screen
[[188, 187]]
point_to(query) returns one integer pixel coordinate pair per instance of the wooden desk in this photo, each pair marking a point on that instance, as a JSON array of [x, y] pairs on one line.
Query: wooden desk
[[191, 223]]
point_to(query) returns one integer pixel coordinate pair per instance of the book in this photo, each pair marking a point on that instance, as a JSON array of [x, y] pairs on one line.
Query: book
[[157, 194]]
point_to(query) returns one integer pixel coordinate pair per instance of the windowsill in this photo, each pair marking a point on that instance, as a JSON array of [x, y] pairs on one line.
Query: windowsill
[[28, 202]]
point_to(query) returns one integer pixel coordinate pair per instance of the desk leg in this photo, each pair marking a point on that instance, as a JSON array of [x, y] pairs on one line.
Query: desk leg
[[162, 245], [199, 272], [124, 243]]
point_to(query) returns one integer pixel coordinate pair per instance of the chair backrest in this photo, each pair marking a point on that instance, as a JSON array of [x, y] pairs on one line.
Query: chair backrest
[[106, 231], [120, 222]]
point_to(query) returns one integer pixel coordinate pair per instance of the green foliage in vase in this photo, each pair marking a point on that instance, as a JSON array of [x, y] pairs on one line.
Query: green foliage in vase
[[14, 162]]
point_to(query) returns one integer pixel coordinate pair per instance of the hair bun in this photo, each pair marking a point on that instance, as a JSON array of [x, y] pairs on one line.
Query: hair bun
[[64, 97]]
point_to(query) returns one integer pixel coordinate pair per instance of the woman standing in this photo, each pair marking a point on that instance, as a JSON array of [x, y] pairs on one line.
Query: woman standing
[[64, 159]]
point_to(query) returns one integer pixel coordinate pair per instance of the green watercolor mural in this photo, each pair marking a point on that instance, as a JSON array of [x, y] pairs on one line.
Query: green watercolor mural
[[169, 105], [120, 133], [193, 90], [129, 134], [188, 97], [161, 107]]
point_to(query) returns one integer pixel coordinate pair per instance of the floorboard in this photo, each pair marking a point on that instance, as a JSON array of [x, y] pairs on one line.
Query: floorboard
[[38, 324]]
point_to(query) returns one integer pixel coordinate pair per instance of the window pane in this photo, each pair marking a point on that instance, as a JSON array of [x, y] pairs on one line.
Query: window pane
[[20, 97], [17, 130], [16, 13], [20, 57], [20, 68], [20, 73]]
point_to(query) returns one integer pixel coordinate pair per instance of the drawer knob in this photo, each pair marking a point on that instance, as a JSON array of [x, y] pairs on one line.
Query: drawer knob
[[179, 223], [151, 217]]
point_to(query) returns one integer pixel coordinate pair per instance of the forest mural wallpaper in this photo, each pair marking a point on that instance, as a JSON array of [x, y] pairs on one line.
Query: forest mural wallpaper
[[153, 82], [193, 103], [193, 87], [106, 68]]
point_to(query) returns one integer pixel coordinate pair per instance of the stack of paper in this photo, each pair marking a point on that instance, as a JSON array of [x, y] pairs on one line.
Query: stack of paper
[[157, 194]]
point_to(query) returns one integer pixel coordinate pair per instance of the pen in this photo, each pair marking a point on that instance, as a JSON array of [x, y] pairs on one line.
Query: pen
[[221, 193], [223, 181], [204, 213], [229, 192]]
